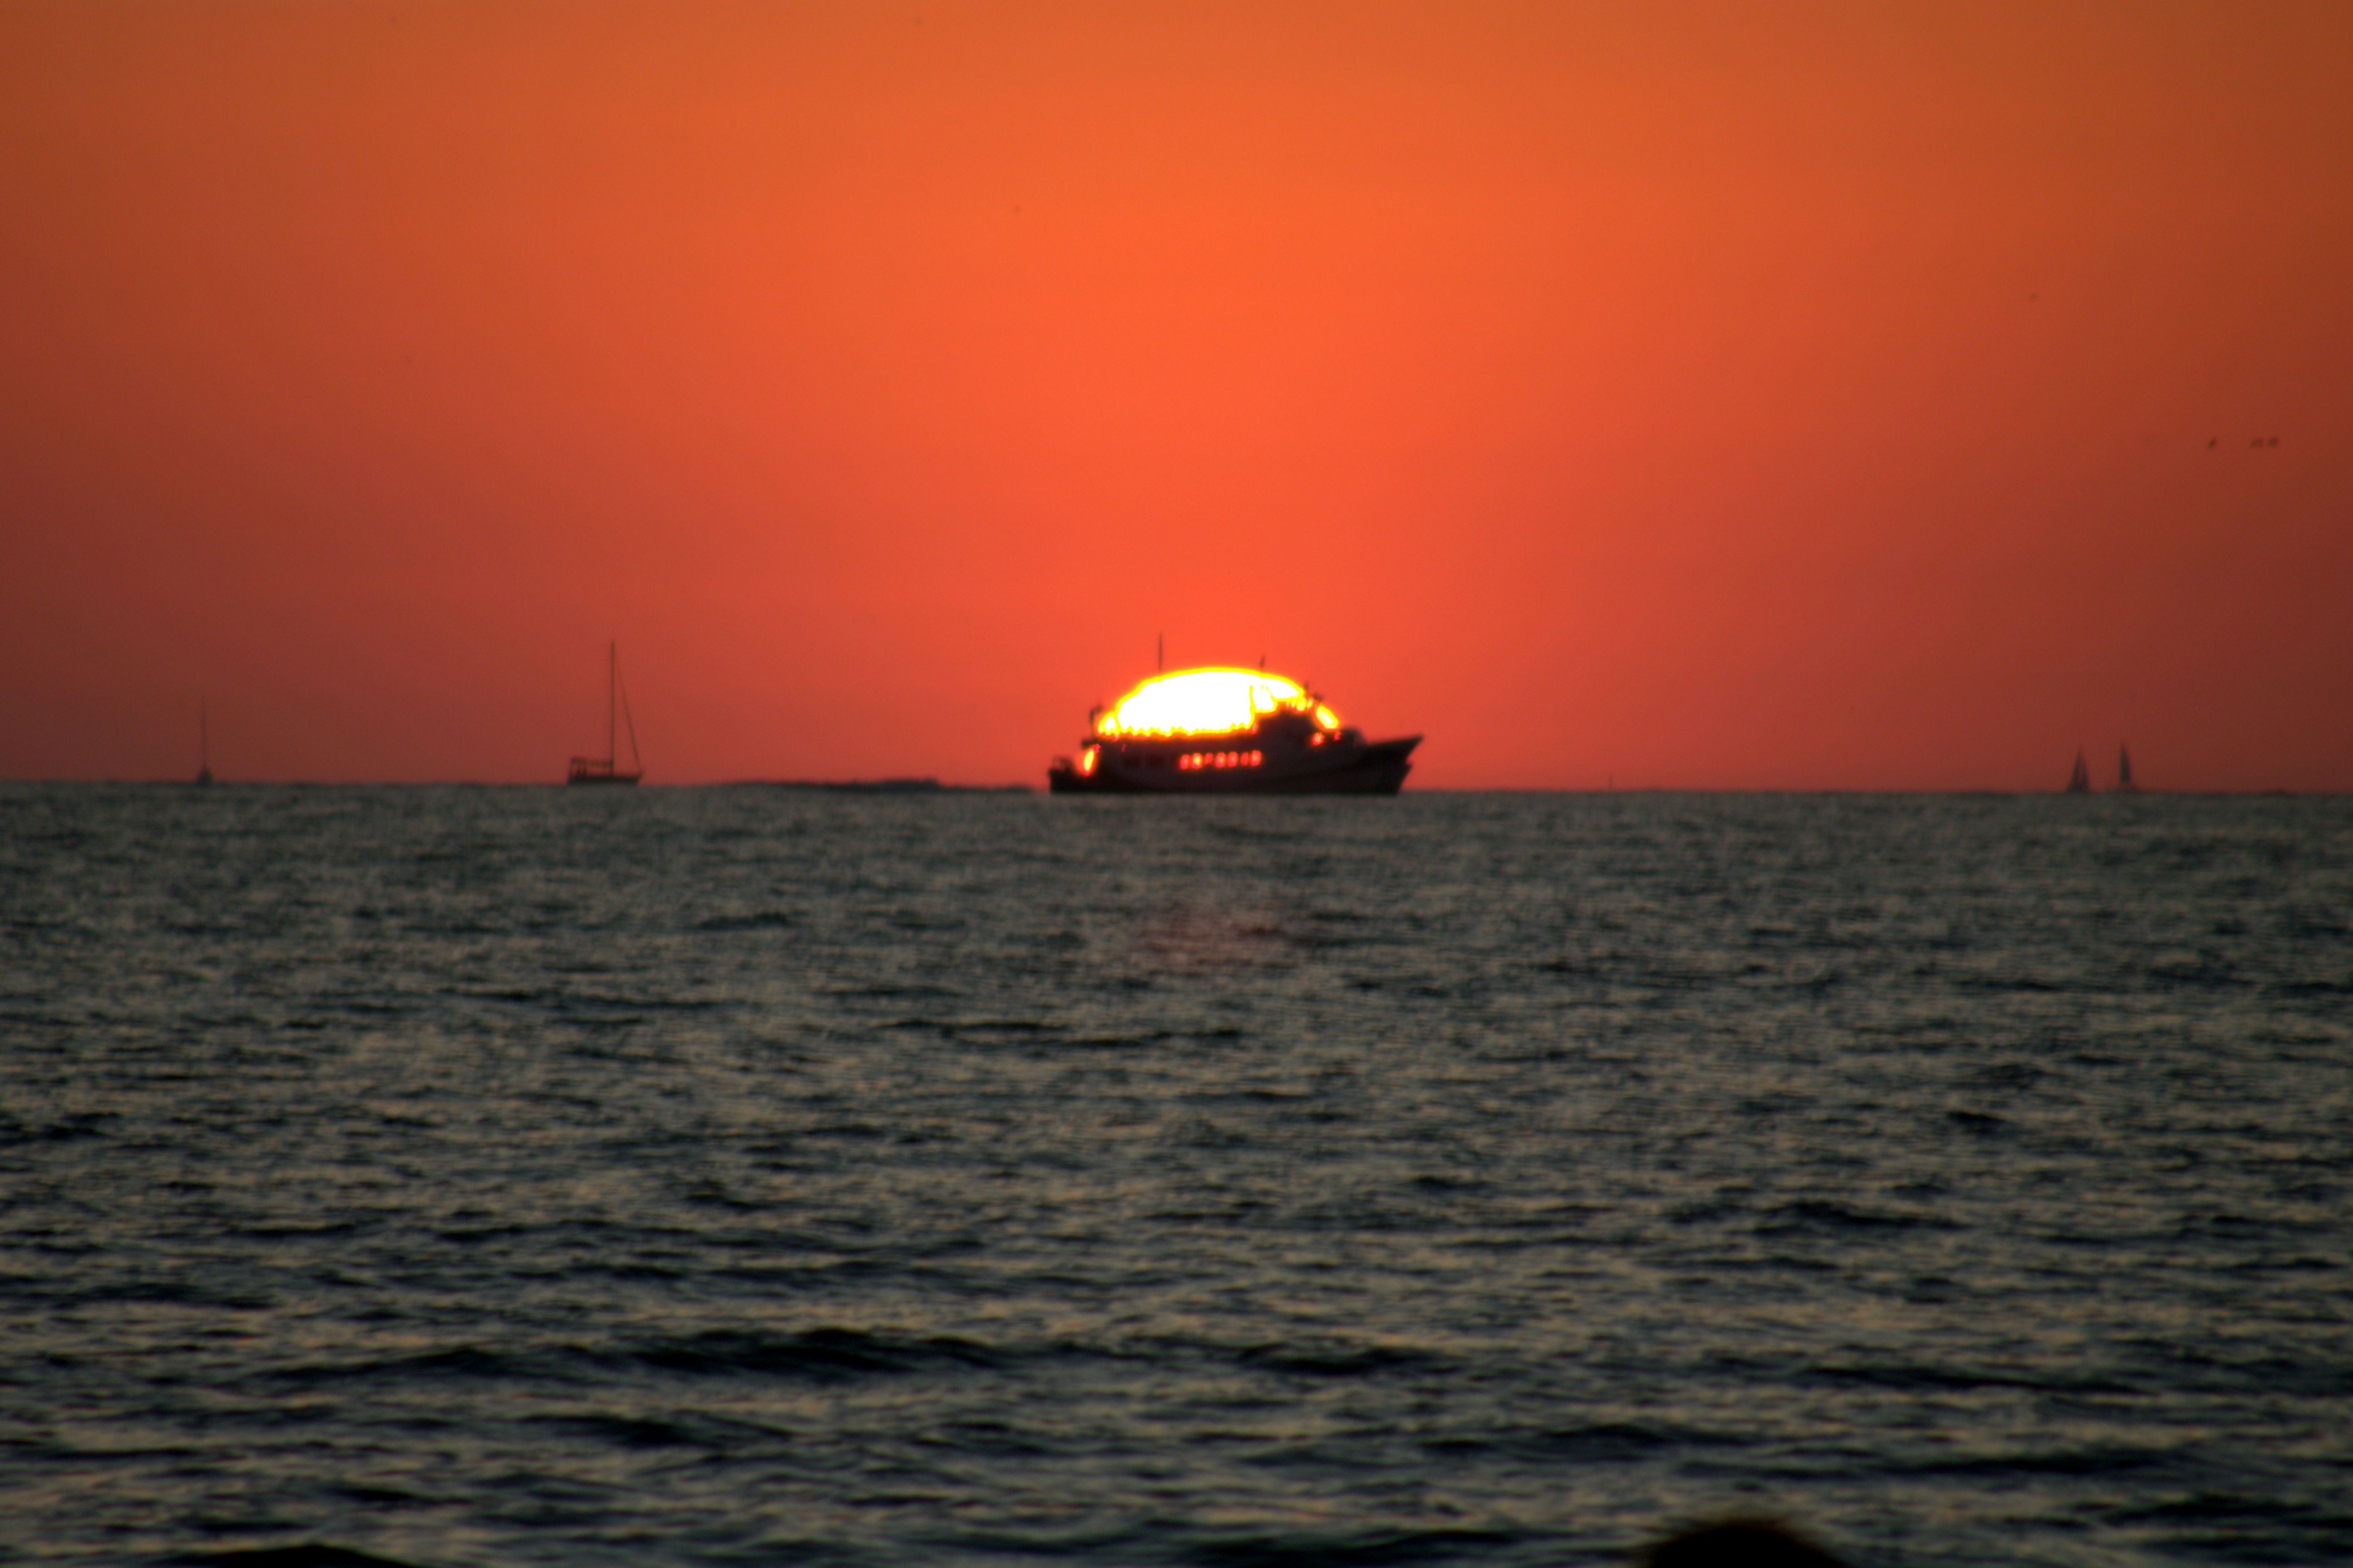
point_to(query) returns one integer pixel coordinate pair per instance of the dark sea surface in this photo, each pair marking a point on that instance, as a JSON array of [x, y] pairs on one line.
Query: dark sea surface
[[488, 1176]]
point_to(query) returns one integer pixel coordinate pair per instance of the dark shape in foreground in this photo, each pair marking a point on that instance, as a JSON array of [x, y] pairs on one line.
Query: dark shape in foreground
[[1228, 732], [1736, 1544], [601, 770], [310, 1554]]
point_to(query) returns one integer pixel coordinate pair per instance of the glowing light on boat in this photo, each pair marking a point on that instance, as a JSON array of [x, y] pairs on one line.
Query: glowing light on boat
[[1210, 702]]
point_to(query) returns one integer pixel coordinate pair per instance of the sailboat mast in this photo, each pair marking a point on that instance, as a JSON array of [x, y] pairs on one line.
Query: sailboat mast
[[637, 763], [612, 683]]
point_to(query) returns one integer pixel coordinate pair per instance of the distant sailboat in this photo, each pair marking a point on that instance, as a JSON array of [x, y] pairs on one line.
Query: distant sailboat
[[2124, 771], [203, 746], [601, 770], [2080, 780]]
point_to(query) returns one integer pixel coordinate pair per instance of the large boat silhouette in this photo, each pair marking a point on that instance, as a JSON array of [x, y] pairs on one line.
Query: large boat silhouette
[[1228, 732]]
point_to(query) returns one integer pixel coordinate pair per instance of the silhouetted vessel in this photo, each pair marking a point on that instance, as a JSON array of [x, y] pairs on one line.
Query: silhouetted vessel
[[601, 770], [2124, 771], [2080, 780], [203, 747], [1228, 732]]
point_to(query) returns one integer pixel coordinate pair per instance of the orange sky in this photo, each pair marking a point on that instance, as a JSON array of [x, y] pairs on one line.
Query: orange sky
[[1708, 396]]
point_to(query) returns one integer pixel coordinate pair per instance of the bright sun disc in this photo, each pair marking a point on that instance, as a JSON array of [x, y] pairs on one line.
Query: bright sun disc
[[1207, 702]]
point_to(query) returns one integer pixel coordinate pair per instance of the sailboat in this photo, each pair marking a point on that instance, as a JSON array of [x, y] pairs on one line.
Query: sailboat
[[2080, 780], [203, 746], [601, 770], [2124, 771]]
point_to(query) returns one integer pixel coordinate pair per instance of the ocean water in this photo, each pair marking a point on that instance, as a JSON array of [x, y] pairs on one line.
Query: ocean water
[[491, 1176]]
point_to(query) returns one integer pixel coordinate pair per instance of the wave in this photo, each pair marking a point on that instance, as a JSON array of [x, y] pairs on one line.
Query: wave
[[1348, 1549], [816, 1356], [1825, 1215]]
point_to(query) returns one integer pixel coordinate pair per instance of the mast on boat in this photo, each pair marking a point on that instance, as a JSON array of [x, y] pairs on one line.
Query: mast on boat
[[203, 743], [606, 769], [629, 720]]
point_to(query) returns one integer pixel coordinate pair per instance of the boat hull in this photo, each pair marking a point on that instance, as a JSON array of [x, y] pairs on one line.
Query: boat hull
[[1375, 767]]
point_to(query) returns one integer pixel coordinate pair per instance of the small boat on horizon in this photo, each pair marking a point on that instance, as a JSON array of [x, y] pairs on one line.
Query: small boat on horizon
[[2124, 773], [2079, 781], [203, 746], [602, 769], [1223, 731]]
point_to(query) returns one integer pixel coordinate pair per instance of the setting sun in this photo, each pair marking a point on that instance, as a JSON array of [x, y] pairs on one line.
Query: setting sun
[[1146, 742], [1208, 702]]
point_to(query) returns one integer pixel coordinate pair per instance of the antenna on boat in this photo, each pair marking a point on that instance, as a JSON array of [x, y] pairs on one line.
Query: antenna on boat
[[1160, 650], [606, 769], [635, 762]]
